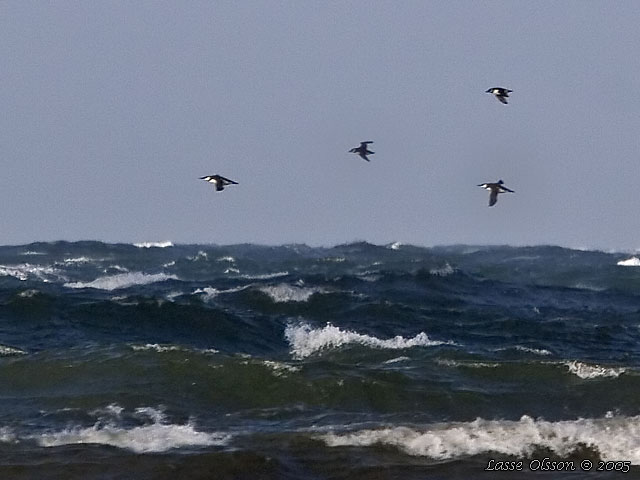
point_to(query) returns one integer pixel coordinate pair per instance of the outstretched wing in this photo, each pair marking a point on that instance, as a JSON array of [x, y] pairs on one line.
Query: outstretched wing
[[227, 181], [493, 198], [502, 98], [364, 156], [506, 189]]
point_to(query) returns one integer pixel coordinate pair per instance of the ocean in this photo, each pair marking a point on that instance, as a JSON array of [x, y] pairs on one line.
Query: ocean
[[358, 361]]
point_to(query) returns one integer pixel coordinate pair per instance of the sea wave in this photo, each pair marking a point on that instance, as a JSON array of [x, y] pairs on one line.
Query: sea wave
[[153, 244], [586, 371], [10, 351], [614, 438], [630, 262], [122, 280], [306, 340], [289, 293], [26, 271], [156, 436]]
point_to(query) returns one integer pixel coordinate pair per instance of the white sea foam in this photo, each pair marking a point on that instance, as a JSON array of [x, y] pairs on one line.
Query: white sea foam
[[153, 244], [615, 438], [395, 246], [630, 262], [32, 292], [396, 360], [536, 351], [76, 260], [466, 364], [31, 252], [155, 437], [10, 351], [289, 293], [117, 268], [122, 280], [521, 348], [280, 369], [201, 255], [209, 293], [334, 259], [226, 259], [25, 271], [586, 371], [155, 347], [265, 276], [444, 271], [305, 340]]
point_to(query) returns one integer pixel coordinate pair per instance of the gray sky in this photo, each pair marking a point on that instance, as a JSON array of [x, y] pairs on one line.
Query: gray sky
[[112, 110]]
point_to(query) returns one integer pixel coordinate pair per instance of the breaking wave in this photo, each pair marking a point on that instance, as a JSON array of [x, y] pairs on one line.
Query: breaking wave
[[122, 280], [586, 371], [630, 262], [305, 340], [614, 438], [156, 435], [288, 293], [153, 244]]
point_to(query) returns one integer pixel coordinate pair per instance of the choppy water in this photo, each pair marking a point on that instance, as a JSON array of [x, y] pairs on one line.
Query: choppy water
[[357, 361]]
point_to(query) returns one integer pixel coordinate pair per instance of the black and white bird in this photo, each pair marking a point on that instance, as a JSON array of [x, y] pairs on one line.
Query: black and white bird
[[219, 181], [495, 189], [362, 150], [500, 93]]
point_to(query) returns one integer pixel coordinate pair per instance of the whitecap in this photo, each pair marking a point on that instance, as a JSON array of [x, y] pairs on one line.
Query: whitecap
[[280, 369], [201, 255], [155, 437], [122, 280], [209, 293], [153, 244], [265, 276], [226, 259], [467, 364], [396, 360], [613, 437], [76, 260], [158, 348], [629, 262], [305, 340], [587, 372], [288, 293], [521, 348], [10, 351], [26, 270], [444, 271]]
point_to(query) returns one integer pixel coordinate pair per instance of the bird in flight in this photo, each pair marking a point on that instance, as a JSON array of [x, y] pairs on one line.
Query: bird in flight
[[500, 93], [495, 189], [219, 181], [362, 150]]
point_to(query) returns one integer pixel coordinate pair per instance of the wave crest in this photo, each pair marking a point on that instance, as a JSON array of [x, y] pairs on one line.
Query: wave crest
[[122, 280], [306, 341], [614, 438]]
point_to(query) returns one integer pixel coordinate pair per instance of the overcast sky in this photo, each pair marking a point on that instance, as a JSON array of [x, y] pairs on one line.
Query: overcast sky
[[111, 111]]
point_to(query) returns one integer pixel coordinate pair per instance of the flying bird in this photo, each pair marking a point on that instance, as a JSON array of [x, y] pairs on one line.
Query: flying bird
[[362, 150], [500, 93], [495, 189], [219, 181]]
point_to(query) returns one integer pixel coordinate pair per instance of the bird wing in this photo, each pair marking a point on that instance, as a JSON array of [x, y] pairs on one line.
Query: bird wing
[[364, 155], [493, 198], [506, 189], [502, 98], [227, 181]]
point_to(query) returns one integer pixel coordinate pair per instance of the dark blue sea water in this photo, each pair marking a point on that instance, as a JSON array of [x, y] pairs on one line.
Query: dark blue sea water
[[357, 361]]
